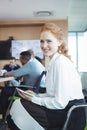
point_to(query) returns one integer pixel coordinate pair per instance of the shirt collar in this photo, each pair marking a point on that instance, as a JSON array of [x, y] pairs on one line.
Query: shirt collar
[[50, 61]]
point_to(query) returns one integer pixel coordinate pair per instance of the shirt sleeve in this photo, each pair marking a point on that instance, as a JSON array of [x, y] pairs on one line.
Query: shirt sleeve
[[55, 101], [19, 72]]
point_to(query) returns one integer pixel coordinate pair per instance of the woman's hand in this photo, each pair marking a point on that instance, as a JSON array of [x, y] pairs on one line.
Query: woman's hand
[[27, 95], [31, 92]]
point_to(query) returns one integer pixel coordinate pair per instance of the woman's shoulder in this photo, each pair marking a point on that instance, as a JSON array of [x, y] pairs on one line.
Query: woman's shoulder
[[62, 60]]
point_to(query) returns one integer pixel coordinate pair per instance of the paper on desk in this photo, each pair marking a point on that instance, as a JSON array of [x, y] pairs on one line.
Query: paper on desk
[[2, 71], [3, 79]]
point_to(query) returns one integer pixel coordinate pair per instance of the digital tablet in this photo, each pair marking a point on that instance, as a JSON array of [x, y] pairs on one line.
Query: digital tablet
[[24, 92]]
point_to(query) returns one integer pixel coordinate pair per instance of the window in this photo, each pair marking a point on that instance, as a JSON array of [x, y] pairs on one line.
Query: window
[[77, 45], [72, 47], [82, 52]]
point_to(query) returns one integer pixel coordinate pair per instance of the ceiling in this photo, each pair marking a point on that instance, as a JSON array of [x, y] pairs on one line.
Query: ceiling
[[74, 10]]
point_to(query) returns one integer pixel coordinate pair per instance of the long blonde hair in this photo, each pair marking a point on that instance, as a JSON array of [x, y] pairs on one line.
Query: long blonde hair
[[58, 33]]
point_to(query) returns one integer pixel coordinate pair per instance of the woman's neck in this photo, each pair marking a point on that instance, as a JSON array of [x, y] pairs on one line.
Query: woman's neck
[[52, 55]]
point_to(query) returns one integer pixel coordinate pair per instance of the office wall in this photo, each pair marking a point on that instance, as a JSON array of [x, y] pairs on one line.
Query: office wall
[[27, 30]]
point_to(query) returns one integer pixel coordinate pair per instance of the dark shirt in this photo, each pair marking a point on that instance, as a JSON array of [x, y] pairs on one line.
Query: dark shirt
[[9, 68]]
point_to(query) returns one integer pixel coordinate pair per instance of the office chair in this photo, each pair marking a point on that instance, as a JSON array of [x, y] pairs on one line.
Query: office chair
[[68, 122], [65, 127]]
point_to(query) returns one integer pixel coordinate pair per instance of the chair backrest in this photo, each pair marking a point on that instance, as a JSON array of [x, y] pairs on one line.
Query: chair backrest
[[36, 87], [70, 112], [37, 83]]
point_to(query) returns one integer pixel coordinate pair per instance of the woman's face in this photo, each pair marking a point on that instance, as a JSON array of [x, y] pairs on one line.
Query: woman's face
[[48, 43]]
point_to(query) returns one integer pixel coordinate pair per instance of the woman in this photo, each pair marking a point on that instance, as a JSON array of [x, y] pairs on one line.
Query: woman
[[63, 86]]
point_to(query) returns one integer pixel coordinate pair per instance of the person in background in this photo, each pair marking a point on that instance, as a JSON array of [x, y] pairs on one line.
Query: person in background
[[63, 89], [6, 90], [10, 67], [30, 71]]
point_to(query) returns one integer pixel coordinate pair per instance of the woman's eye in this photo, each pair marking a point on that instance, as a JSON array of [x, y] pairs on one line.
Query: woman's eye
[[41, 41], [48, 41]]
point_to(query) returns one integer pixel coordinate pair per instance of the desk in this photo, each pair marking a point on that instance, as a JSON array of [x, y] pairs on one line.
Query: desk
[[3, 79]]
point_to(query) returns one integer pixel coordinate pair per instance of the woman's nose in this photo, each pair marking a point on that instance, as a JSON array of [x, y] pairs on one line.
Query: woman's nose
[[45, 44]]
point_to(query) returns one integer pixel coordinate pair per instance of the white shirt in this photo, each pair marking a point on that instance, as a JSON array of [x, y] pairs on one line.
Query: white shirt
[[62, 83]]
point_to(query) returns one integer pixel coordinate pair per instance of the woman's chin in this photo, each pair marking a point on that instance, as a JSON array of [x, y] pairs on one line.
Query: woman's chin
[[46, 54]]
